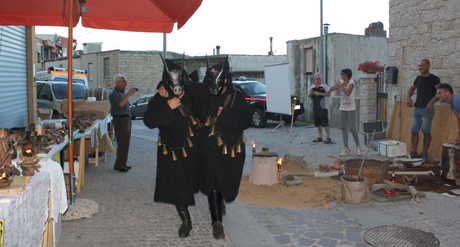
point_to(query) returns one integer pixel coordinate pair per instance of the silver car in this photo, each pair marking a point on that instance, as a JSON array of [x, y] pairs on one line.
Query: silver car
[[139, 107], [50, 94]]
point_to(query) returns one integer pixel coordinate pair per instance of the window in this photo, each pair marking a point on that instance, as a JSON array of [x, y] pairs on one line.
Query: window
[[42, 89], [106, 67], [309, 61], [90, 71]]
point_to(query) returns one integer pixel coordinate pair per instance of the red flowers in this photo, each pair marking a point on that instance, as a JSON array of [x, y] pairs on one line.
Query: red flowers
[[371, 67]]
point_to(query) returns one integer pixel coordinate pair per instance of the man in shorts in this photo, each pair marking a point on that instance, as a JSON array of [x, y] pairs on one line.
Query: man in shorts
[[318, 93], [426, 85], [446, 94]]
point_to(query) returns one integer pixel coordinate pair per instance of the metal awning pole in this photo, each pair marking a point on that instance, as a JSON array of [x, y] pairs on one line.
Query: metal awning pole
[[70, 104]]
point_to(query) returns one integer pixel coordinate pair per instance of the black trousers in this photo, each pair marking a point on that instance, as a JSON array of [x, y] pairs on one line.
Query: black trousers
[[122, 126]]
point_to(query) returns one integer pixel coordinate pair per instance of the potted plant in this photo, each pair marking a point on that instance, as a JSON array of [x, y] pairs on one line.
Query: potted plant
[[371, 67]]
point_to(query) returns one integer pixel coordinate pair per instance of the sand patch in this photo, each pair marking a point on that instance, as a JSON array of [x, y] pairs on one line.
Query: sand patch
[[314, 193]]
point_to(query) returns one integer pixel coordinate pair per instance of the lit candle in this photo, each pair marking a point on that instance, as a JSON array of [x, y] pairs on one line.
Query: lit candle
[[253, 146], [280, 161]]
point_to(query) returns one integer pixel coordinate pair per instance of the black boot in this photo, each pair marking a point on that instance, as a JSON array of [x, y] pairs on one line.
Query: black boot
[[186, 227], [215, 207]]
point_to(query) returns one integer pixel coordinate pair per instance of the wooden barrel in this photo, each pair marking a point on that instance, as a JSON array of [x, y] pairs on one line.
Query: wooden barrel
[[450, 161], [101, 94]]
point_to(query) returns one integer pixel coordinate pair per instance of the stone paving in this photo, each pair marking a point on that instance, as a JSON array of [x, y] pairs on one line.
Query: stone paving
[[129, 217]]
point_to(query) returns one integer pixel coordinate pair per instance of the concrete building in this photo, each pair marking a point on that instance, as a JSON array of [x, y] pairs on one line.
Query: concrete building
[[424, 29], [50, 46], [342, 51]]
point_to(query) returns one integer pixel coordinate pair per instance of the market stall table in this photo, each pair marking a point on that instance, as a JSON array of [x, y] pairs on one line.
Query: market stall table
[[30, 216]]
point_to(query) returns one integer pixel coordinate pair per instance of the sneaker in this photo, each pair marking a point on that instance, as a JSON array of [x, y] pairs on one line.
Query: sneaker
[[345, 151], [425, 157], [413, 154], [358, 150]]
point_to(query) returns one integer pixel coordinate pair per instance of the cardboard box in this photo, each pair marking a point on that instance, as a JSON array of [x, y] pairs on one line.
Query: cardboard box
[[392, 148]]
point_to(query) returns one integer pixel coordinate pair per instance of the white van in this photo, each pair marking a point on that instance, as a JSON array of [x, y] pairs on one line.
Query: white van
[[60, 74]]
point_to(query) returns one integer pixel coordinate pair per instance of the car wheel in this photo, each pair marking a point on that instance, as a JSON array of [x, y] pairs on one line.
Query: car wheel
[[258, 118], [287, 119]]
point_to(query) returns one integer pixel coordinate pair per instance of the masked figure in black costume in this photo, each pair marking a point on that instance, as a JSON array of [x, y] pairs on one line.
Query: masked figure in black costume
[[223, 114], [171, 112]]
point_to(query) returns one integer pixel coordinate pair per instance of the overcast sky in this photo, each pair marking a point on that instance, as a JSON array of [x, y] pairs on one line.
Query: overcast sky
[[243, 26]]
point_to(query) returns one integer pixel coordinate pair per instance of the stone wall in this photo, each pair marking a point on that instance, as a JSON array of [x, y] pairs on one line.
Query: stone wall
[[424, 29]]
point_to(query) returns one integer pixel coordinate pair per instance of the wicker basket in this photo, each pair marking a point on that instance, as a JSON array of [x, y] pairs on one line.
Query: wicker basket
[[373, 170]]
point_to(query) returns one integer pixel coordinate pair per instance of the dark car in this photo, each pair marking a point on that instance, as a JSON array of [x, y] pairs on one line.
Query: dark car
[[139, 107], [255, 94]]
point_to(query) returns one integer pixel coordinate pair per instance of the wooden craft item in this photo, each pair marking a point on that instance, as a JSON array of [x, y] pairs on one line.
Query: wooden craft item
[[12, 189]]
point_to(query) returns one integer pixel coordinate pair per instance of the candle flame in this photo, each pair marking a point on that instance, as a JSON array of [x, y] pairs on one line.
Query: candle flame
[[280, 161], [253, 144], [29, 151], [4, 175]]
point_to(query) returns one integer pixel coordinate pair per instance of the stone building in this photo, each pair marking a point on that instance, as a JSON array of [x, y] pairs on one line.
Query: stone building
[[249, 66], [342, 51], [144, 69], [424, 29]]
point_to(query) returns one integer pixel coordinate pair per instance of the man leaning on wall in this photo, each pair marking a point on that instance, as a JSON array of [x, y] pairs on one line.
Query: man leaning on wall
[[426, 85]]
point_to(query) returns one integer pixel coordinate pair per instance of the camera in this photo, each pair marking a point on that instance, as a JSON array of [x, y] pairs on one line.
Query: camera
[[137, 89]]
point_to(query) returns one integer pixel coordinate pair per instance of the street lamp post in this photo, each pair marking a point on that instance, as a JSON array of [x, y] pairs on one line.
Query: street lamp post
[[326, 31]]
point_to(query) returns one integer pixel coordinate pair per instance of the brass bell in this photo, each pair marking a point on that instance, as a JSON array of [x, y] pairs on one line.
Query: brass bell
[[238, 148], [190, 132], [165, 150], [243, 139], [232, 153], [174, 158], [219, 141], [225, 151], [184, 154], [208, 121], [194, 122], [190, 144], [159, 140], [213, 130]]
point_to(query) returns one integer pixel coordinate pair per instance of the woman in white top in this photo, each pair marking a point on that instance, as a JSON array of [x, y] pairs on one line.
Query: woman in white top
[[347, 110]]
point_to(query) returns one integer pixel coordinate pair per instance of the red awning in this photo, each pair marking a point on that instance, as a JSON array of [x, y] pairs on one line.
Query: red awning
[[139, 15]]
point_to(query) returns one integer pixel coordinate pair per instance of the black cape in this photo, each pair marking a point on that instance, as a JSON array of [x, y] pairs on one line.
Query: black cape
[[176, 181], [216, 167]]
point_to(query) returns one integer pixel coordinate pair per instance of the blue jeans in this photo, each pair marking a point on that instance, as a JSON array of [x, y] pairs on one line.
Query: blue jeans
[[421, 118]]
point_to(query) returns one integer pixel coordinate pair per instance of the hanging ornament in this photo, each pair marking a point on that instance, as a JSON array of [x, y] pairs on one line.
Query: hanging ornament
[[208, 121], [219, 141], [232, 153], [159, 141], [184, 154], [238, 148], [194, 122], [190, 144], [225, 151], [190, 132], [165, 150], [243, 138], [174, 158], [213, 130]]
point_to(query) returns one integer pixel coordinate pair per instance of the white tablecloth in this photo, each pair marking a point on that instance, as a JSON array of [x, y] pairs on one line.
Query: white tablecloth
[[25, 213]]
